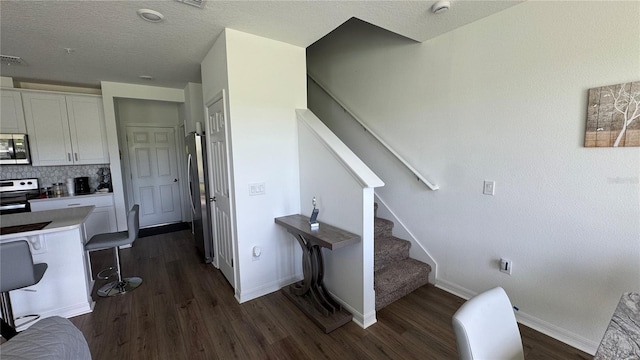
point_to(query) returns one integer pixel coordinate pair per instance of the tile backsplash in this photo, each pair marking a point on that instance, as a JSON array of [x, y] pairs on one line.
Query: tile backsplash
[[48, 175]]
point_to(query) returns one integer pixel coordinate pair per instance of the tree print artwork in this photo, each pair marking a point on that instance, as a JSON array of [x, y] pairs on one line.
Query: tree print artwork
[[613, 116]]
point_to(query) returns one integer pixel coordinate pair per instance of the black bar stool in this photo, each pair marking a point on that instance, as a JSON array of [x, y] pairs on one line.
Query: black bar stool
[[115, 240], [17, 271]]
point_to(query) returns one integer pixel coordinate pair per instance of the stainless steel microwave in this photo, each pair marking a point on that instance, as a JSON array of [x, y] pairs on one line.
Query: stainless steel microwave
[[14, 149]]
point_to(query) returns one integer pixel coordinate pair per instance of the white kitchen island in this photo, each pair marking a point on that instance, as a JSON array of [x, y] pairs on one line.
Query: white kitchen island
[[65, 289]]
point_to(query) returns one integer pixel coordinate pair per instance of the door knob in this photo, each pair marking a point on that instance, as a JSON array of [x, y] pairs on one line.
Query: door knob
[[212, 199], [175, 180]]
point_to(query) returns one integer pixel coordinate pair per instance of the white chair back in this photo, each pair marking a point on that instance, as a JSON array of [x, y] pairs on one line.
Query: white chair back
[[486, 328]]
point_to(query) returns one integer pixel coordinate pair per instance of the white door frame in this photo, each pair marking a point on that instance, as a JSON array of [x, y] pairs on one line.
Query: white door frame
[[221, 96]]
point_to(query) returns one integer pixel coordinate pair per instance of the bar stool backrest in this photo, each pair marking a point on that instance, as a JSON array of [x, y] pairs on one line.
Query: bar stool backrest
[[16, 266], [133, 223]]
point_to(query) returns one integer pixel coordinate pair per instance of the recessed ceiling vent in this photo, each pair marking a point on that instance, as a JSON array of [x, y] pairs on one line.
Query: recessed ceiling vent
[[196, 3], [11, 60]]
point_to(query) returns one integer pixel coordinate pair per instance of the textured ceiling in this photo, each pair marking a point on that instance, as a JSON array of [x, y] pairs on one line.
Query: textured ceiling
[[111, 43]]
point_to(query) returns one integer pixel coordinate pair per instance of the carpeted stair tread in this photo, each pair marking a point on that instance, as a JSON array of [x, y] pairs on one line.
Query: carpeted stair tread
[[399, 279], [382, 227], [389, 249]]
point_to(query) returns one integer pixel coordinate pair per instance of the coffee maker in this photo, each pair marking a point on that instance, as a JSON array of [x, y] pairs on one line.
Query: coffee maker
[[81, 185]]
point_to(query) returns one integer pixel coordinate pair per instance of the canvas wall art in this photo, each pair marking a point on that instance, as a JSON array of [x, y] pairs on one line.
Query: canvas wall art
[[613, 116]]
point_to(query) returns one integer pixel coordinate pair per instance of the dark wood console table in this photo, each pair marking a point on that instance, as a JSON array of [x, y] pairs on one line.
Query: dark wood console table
[[310, 295]]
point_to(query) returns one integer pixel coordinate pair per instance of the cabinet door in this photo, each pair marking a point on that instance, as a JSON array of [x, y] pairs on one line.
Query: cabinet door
[[87, 129], [11, 114], [48, 128]]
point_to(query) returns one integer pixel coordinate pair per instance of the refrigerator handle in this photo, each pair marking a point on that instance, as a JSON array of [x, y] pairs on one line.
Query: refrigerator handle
[[193, 207]]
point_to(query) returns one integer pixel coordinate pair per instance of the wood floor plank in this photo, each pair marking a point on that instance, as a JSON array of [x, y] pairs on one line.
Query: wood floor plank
[[186, 309], [171, 344], [199, 343]]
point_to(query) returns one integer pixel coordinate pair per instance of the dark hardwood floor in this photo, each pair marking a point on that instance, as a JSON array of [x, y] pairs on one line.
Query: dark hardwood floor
[[186, 310]]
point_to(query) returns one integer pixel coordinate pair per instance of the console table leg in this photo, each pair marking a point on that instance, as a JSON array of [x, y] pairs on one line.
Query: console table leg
[[302, 287], [320, 283], [310, 295], [309, 286]]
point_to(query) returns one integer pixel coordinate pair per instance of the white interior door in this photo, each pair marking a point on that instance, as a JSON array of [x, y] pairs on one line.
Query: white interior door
[[221, 214], [154, 174]]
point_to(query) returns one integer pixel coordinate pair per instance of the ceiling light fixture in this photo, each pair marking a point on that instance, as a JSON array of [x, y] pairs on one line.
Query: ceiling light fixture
[[440, 7], [146, 77], [150, 15]]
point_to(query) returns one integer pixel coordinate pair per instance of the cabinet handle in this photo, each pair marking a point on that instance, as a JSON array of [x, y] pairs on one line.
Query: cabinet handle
[[76, 156], [78, 204], [69, 156]]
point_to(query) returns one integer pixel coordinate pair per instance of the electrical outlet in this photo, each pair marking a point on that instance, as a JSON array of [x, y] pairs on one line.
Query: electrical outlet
[[506, 266], [489, 187], [256, 252]]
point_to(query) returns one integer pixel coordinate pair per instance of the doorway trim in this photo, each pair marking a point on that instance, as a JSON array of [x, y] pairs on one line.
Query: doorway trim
[[222, 96], [114, 90]]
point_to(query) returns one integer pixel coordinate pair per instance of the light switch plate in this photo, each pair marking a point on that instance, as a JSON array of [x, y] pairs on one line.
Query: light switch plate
[[257, 189]]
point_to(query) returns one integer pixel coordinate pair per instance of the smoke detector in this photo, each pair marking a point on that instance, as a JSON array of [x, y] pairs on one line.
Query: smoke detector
[[11, 60], [440, 7]]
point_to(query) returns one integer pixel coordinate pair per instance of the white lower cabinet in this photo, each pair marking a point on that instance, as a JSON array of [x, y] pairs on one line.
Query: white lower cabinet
[[101, 220]]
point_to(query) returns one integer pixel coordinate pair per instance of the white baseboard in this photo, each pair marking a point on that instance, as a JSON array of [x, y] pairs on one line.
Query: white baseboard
[[66, 312], [454, 289], [539, 325], [363, 320], [254, 293], [558, 333]]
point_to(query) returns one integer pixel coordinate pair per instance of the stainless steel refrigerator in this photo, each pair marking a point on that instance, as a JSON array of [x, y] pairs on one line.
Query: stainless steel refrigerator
[[199, 193]]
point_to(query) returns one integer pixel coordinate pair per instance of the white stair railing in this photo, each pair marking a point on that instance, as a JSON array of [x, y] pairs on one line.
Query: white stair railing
[[415, 172]]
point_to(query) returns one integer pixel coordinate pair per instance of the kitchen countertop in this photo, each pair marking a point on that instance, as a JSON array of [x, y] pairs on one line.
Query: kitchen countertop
[[62, 219], [71, 197]]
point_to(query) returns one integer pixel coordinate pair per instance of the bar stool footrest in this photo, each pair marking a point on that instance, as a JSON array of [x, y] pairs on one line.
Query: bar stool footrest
[[107, 273], [33, 316], [120, 287]]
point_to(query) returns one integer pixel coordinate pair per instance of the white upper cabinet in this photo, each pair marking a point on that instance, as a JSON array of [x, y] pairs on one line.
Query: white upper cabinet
[[11, 114], [65, 129], [87, 129]]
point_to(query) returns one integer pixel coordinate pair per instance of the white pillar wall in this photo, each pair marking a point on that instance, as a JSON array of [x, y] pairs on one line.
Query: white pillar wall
[[265, 81]]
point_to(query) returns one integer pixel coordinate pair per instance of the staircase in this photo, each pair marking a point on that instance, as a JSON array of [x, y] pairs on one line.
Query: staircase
[[395, 273]]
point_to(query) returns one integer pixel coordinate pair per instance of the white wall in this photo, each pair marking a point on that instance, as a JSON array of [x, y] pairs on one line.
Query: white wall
[[505, 99], [110, 92], [193, 107], [135, 111], [265, 82]]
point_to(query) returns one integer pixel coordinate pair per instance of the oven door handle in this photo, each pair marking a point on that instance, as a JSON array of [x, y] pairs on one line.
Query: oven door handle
[[13, 206]]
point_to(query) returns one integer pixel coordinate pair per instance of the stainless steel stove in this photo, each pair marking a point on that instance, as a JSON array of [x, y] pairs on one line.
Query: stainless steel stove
[[15, 195]]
